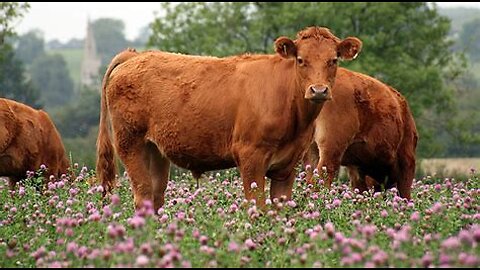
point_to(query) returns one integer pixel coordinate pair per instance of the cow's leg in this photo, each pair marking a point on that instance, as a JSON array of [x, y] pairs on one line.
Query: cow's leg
[[311, 158], [282, 185], [136, 158], [12, 181], [197, 176], [332, 161], [252, 164], [159, 171], [357, 179], [372, 182], [403, 176]]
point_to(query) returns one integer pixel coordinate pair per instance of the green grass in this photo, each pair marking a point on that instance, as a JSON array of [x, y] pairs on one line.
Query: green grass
[[71, 226]]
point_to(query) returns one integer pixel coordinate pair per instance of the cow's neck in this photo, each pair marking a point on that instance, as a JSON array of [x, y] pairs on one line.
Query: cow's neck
[[306, 111]]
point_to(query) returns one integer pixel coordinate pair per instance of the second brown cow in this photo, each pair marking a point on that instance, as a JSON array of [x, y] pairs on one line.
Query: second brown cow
[[28, 139], [205, 113], [367, 127]]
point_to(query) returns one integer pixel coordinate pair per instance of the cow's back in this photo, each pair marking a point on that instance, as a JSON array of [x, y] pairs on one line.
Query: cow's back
[[193, 107]]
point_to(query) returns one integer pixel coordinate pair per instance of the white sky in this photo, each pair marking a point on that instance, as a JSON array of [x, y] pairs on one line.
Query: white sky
[[64, 21]]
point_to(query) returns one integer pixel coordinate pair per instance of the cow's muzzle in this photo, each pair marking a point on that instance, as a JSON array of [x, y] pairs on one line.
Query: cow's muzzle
[[317, 93]]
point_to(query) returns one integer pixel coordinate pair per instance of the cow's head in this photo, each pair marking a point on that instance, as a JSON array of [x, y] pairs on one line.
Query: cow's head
[[316, 51]]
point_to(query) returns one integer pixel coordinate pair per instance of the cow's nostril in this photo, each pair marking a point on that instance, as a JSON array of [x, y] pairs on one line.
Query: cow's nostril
[[318, 90]]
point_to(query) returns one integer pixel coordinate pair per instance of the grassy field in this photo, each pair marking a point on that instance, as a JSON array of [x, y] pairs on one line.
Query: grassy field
[[444, 167], [213, 226]]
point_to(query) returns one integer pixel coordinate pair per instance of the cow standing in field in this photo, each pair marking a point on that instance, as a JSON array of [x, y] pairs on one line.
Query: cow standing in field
[[256, 112], [367, 127], [28, 139]]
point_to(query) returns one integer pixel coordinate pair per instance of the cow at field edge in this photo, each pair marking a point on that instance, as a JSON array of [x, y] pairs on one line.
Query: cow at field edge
[[256, 112], [367, 127], [28, 139]]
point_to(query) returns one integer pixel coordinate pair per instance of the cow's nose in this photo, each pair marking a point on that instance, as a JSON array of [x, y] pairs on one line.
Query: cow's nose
[[319, 91]]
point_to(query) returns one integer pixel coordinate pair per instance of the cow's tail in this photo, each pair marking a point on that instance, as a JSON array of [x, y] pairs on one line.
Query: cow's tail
[[406, 154], [105, 166], [409, 142]]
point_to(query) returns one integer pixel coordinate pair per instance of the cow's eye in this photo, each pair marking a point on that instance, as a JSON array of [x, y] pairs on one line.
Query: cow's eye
[[333, 61], [300, 61]]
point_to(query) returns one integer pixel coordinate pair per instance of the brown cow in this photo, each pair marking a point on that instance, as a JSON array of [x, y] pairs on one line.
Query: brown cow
[[207, 113], [369, 128], [28, 139]]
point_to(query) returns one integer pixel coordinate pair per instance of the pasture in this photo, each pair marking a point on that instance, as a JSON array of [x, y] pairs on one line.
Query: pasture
[[213, 226], [443, 167]]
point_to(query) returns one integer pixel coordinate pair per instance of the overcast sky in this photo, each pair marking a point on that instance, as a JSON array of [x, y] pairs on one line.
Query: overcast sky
[[64, 21]]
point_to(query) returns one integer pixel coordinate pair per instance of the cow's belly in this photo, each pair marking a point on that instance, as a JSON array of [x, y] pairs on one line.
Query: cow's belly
[[9, 166], [200, 163], [195, 147]]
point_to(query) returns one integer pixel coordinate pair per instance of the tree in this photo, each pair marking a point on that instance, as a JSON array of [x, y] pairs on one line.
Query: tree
[[13, 83], [30, 46], [78, 117], [109, 37], [77, 122], [9, 12], [50, 75], [406, 45], [74, 43], [204, 28], [470, 39]]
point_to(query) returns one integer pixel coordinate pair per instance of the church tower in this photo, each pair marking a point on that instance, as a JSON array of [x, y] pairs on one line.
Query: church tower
[[91, 61]]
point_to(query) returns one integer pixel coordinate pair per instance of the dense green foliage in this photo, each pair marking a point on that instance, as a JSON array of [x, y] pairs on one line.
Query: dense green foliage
[[10, 12], [29, 47], [77, 121], [50, 74], [13, 82]]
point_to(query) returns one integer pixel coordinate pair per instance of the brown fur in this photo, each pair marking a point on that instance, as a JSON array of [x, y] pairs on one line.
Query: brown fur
[[208, 113], [369, 128], [28, 139]]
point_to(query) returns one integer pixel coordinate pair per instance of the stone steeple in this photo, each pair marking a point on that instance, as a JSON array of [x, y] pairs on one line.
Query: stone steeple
[[91, 61]]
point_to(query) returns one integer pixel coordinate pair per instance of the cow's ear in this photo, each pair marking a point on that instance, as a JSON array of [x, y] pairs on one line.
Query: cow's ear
[[349, 48], [285, 47]]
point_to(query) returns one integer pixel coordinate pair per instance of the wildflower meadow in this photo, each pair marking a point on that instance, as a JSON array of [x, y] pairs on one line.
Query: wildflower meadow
[[66, 223]]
